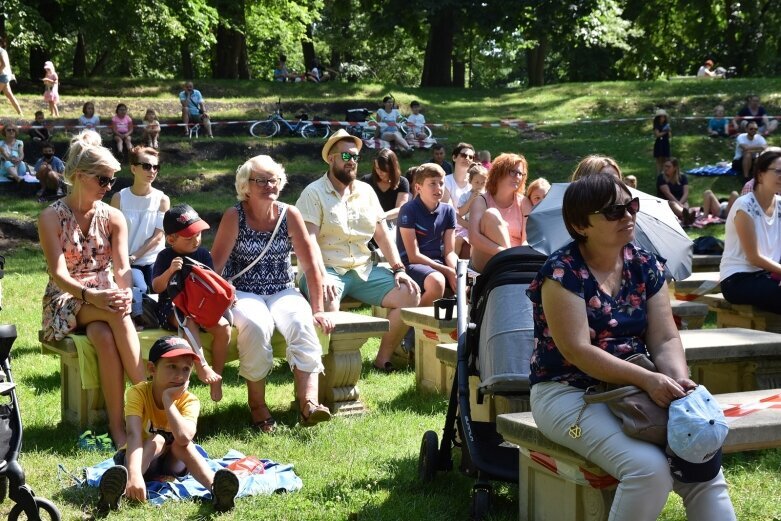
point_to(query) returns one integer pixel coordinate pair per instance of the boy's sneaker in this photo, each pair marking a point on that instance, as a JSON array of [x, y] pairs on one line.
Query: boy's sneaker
[[112, 488], [224, 489]]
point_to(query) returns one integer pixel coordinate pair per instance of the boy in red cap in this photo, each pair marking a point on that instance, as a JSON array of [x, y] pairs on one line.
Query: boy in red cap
[[183, 226], [161, 417]]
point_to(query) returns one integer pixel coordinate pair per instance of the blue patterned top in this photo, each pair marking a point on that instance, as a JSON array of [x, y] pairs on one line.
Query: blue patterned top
[[616, 325], [273, 273]]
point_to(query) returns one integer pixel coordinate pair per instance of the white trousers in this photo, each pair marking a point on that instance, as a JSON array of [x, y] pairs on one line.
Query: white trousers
[[641, 468], [256, 316]]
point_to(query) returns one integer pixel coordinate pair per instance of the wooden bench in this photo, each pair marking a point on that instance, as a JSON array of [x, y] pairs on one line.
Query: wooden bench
[[705, 262], [556, 483], [696, 285], [338, 385], [741, 315]]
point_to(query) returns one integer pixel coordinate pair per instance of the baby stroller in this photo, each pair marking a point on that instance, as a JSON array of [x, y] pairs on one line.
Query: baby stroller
[[495, 342], [11, 474]]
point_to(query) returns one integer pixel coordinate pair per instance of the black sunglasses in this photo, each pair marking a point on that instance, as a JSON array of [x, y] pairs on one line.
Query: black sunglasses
[[104, 181], [148, 166], [346, 156], [616, 211], [466, 156]]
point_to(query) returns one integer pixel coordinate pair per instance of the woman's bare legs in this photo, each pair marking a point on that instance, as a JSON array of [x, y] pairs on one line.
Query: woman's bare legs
[[495, 229], [256, 398], [112, 378], [6, 89]]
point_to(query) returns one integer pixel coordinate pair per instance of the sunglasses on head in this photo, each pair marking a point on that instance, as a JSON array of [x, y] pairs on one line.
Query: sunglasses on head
[[104, 181], [615, 212], [466, 156], [346, 156], [148, 166]]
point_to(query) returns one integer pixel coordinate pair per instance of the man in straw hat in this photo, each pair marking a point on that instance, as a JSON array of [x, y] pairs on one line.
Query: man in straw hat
[[342, 215]]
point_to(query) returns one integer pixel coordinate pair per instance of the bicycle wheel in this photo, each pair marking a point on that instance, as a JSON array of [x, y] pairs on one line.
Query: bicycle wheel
[[310, 130], [265, 128]]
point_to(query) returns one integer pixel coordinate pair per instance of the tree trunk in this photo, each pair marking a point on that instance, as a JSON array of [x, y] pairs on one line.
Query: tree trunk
[[308, 48], [187, 60], [100, 64], [38, 56], [459, 73], [80, 57], [243, 60], [230, 39], [535, 62], [439, 50]]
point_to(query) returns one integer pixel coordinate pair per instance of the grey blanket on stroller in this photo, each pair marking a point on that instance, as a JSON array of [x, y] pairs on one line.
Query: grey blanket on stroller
[[506, 341]]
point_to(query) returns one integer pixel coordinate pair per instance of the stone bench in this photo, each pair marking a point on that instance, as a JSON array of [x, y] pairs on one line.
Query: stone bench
[[724, 360], [696, 285], [338, 385], [741, 315], [556, 483], [429, 331], [705, 263], [689, 315]]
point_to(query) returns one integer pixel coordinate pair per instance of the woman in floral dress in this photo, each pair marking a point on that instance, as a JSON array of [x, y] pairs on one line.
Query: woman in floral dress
[[82, 239]]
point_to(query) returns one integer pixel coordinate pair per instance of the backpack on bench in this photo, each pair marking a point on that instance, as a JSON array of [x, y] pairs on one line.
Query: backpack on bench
[[199, 292]]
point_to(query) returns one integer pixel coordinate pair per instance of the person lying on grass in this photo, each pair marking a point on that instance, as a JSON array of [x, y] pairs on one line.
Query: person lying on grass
[[161, 417]]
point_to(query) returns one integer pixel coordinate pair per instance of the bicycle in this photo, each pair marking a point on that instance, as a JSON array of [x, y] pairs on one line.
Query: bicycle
[[276, 122]]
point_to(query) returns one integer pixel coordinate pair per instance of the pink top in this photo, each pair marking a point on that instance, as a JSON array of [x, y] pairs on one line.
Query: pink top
[[122, 125], [513, 216]]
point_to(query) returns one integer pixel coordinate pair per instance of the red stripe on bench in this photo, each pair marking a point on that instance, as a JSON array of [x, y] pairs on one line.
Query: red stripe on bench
[[747, 408]]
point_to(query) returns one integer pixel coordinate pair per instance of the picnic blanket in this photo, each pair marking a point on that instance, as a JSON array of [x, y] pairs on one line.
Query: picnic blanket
[[712, 170], [276, 477], [706, 220]]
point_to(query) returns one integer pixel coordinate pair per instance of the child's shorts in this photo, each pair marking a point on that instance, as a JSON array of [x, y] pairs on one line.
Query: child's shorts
[[419, 272]]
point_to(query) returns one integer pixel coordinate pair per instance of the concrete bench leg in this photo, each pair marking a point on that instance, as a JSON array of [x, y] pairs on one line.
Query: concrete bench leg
[[81, 407], [545, 495], [339, 385]]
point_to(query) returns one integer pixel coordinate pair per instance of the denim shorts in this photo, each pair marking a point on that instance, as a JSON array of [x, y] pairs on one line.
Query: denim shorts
[[4, 78]]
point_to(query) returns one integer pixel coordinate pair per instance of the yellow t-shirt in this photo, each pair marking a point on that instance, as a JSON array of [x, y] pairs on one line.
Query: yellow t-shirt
[[139, 402]]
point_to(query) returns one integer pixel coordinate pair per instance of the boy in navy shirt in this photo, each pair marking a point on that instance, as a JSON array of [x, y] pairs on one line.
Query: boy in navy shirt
[[183, 226], [426, 235]]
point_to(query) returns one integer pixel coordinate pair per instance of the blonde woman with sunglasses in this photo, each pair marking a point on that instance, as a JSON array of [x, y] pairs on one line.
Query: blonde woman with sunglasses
[[82, 239]]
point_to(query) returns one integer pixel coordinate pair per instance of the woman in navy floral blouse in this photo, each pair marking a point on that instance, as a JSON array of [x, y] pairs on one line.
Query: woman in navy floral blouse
[[597, 301]]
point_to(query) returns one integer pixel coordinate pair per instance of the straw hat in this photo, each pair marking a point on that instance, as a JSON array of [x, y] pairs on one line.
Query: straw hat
[[337, 136], [660, 112], [48, 65]]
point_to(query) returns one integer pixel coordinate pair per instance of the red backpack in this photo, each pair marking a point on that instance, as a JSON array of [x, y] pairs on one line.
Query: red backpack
[[200, 293]]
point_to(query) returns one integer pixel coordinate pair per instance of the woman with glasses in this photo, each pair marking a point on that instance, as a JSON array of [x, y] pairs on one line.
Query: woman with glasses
[[143, 208], [595, 302], [750, 270], [252, 249], [457, 184], [496, 219], [84, 240]]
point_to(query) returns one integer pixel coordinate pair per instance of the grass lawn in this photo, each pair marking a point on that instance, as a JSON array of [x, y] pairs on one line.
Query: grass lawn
[[361, 468]]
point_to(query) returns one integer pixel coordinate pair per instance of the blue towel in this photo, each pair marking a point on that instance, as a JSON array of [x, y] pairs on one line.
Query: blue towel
[[278, 477], [711, 170]]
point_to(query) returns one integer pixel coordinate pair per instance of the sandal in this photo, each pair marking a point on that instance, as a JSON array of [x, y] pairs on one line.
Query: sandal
[[387, 368], [316, 413], [87, 441], [267, 426], [104, 442]]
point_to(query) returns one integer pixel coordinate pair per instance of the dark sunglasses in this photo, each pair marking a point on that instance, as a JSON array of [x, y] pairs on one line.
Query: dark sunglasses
[[148, 166], [346, 156], [616, 211], [104, 181], [466, 156]]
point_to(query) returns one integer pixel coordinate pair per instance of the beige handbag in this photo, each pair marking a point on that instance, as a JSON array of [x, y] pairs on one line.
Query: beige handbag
[[639, 415]]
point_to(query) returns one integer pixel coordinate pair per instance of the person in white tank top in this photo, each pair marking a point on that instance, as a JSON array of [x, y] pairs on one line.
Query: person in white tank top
[[750, 268], [143, 208], [457, 184]]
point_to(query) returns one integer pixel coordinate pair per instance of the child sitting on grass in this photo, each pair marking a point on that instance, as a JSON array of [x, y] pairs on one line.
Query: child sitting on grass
[[161, 417], [152, 128], [478, 176], [182, 227], [426, 237]]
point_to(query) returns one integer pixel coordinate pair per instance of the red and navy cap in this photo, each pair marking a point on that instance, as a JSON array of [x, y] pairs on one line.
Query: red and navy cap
[[169, 347], [183, 220]]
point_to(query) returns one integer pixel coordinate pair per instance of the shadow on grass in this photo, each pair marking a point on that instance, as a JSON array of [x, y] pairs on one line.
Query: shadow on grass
[[42, 383]]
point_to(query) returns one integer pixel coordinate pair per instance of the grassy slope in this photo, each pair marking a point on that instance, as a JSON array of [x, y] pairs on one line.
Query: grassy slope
[[345, 476]]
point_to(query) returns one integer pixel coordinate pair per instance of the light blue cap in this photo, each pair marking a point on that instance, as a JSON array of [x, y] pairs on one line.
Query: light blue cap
[[696, 428]]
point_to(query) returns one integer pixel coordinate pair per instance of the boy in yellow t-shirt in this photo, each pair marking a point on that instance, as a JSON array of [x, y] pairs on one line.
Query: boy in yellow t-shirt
[[161, 417]]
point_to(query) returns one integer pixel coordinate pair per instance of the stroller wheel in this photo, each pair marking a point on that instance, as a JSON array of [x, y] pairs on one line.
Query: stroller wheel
[[481, 502], [427, 461], [42, 504]]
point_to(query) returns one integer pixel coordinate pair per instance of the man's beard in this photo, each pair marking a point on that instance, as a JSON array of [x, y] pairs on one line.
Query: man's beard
[[343, 176]]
